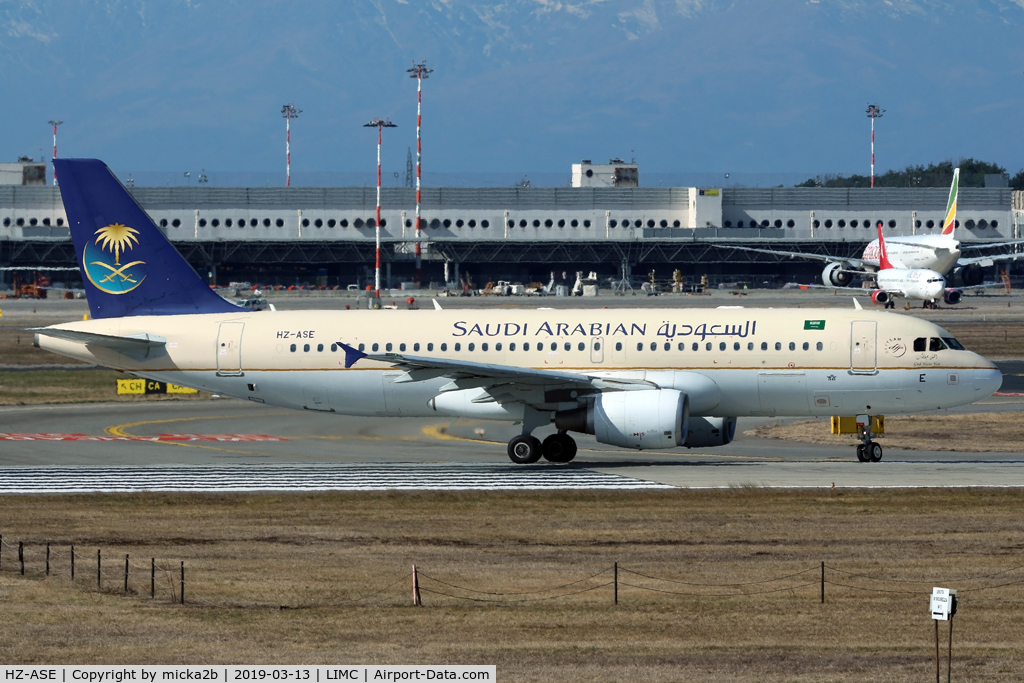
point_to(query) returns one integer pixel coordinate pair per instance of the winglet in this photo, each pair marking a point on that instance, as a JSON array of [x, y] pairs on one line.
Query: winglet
[[856, 304], [883, 256], [437, 306], [351, 354], [949, 223]]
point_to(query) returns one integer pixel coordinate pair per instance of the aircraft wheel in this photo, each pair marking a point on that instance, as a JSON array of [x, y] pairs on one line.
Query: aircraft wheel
[[559, 448], [524, 449], [874, 452], [861, 453]]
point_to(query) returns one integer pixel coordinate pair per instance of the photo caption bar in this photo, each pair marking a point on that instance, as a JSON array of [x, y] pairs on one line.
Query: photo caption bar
[[241, 673]]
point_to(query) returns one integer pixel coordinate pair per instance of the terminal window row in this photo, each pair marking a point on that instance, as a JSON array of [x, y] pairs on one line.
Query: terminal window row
[[31, 221], [854, 223]]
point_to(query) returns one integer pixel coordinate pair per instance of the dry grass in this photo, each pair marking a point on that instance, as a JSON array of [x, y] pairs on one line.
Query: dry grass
[[35, 387], [990, 432], [16, 346], [249, 555], [992, 340]]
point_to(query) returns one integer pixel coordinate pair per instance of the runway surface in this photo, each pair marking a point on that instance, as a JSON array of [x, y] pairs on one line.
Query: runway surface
[[228, 445]]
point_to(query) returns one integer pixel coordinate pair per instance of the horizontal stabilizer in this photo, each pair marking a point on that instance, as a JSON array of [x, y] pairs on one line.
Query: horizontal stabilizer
[[133, 341]]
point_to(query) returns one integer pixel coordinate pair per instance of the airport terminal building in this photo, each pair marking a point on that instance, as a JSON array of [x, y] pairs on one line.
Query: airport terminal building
[[282, 235]]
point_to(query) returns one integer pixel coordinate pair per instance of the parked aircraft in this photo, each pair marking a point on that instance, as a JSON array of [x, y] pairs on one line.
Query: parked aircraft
[[642, 379], [941, 253]]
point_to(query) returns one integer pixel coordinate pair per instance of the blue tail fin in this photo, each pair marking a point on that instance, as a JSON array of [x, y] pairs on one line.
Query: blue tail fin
[[128, 266]]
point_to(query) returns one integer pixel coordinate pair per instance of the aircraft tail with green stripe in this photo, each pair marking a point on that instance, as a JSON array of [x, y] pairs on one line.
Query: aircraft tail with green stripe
[[949, 222]]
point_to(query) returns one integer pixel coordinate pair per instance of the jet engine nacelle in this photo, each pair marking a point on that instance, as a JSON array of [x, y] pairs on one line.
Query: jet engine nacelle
[[952, 296], [706, 432], [881, 297], [968, 276], [835, 276], [649, 418]]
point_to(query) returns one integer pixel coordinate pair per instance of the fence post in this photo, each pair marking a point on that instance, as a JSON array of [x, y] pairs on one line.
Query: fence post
[[416, 600], [72, 561], [616, 583], [823, 582], [152, 578], [99, 574], [1, 551], [126, 572], [21, 557], [183, 582], [47, 558]]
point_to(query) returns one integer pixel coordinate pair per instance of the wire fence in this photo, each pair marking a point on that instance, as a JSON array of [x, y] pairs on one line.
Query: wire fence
[[120, 574]]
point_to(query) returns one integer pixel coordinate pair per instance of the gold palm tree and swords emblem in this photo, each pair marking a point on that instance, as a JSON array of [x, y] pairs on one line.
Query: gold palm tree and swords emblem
[[117, 278]]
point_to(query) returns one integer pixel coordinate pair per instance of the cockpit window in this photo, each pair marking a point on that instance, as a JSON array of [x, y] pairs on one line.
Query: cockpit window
[[921, 344], [953, 344], [936, 344]]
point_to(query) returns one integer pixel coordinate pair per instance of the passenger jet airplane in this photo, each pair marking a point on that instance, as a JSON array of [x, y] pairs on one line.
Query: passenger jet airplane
[[644, 379], [941, 253]]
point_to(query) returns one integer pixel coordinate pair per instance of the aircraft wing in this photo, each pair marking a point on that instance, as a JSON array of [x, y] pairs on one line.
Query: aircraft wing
[[989, 245], [855, 264], [130, 342], [419, 368], [989, 260]]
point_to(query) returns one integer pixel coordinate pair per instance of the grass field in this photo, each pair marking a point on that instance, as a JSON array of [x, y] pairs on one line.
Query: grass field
[[284, 579], [33, 387], [993, 432]]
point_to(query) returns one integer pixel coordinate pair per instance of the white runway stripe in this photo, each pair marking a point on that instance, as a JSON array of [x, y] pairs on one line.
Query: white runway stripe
[[356, 477]]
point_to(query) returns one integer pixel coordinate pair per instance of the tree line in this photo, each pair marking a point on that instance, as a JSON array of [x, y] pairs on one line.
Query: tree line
[[972, 174]]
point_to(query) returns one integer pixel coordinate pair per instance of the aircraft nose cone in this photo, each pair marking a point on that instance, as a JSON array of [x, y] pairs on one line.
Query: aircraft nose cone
[[987, 381]]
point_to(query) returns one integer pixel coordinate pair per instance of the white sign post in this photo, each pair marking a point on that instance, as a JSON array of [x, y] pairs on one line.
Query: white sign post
[[943, 607]]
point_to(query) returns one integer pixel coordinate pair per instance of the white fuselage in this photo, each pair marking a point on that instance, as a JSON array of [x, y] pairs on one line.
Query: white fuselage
[[734, 362], [927, 252], [911, 284]]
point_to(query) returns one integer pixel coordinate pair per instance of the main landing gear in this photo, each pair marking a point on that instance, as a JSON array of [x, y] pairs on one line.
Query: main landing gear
[[525, 448]]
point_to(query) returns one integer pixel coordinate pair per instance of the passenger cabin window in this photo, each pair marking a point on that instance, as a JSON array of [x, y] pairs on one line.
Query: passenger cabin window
[[526, 346], [387, 347], [639, 346], [921, 344], [668, 347], [695, 346], [936, 344], [430, 346], [721, 346], [654, 346], [568, 346], [375, 347], [497, 347], [458, 346], [792, 346], [764, 346], [293, 348], [807, 346], [778, 346], [305, 347], [511, 346], [820, 346], [540, 346], [319, 347], [682, 346], [472, 347], [707, 347], [483, 347], [362, 347], [444, 347], [401, 347], [416, 346]]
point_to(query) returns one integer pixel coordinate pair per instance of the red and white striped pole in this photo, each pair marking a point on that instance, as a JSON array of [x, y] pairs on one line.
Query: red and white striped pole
[[419, 72], [873, 113], [380, 126], [55, 124], [289, 112]]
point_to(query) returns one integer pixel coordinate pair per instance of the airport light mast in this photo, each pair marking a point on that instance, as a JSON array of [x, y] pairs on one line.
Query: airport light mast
[[380, 125], [289, 112], [419, 72], [54, 124], [873, 113]]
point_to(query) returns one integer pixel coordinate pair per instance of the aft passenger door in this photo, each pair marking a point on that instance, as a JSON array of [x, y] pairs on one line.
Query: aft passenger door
[[229, 350], [863, 349]]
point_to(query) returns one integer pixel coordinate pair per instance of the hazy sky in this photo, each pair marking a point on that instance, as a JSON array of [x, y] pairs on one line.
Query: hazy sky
[[519, 85]]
